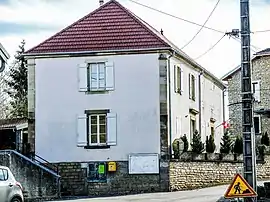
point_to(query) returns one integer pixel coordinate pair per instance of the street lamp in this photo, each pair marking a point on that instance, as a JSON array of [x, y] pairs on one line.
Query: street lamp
[[4, 56]]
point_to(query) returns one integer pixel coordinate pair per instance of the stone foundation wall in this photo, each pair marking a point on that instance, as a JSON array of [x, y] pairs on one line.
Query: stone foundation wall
[[74, 181], [194, 175], [36, 182]]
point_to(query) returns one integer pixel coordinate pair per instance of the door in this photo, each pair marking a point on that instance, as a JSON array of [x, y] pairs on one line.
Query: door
[[4, 185]]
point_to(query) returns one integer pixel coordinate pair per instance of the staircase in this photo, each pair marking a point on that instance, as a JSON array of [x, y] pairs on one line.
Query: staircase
[[39, 178]]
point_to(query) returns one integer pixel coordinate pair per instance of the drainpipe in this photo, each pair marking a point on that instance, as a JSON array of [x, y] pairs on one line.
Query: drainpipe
[[200, 103], [223, 104], [169, 104]]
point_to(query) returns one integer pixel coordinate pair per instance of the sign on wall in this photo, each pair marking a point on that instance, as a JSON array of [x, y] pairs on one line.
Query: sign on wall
[[143, 164]]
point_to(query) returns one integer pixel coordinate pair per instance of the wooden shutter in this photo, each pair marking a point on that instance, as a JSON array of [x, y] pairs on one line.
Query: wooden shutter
[[181, 81], [175, 78], [81, 131], [109, 76], [111, 129], [190, 86], [82, 77]]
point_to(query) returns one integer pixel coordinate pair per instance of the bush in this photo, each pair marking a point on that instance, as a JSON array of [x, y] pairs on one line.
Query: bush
[[185, 140], [210, 144], [265, 139], [197, 145], [176, 149], [238, 145], [226, 143]]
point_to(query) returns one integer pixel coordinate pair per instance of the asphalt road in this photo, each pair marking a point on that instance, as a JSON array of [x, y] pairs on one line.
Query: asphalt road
[[211, 194]]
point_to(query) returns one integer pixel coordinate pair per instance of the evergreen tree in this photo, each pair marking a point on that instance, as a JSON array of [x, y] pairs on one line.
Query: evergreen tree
[[226, 143], [238, 145], [197, 145], [265, 139], [210, 144], [17, 85], [185, 140]]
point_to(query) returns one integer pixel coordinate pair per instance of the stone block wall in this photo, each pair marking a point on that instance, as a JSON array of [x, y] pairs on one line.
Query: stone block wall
[[194, 175], [36, 182], [74, 181]]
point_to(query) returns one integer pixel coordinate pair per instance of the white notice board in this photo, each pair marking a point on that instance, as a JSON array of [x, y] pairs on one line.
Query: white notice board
[[143, 164]]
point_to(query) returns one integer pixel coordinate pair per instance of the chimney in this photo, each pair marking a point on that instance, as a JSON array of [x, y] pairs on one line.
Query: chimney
[[161, 31], [101, 2]]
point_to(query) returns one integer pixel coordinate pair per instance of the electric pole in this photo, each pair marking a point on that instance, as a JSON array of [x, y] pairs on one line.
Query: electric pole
[[247, 97]]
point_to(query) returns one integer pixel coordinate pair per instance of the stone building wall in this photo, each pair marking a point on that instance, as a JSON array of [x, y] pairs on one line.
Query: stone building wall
[[74, 181], [194, 175], [37, 183], [260, 71], [235, 106]]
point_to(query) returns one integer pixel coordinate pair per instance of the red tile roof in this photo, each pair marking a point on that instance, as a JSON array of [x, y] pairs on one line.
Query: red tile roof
[[110, 27]]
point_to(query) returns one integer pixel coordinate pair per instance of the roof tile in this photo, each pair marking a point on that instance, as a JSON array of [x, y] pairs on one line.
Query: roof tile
[[110, 27]]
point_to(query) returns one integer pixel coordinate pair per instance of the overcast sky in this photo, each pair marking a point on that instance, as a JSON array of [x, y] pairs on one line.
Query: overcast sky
[[36, 20]]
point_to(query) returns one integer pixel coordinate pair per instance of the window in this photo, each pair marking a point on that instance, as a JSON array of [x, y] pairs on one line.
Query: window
[[257, 125], [96, 172], [256, 85], [192, 127], [97, 132], [192, 87], [3, 174], [96, 76], [96, 129], [178, 80]]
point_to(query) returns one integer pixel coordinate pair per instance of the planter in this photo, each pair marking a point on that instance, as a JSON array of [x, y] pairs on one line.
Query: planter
[[227, 157], [199, 157]]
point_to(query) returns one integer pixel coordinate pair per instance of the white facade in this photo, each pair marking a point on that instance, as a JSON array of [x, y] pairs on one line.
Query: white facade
[[133, 101], [132, 98], [182, 105]]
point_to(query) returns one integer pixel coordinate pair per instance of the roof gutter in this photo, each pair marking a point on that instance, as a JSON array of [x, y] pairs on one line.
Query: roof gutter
[[72, 53]]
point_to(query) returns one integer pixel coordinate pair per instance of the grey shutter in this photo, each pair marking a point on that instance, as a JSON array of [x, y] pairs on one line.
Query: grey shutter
[[111, 129], [82, 77], [109, 75], [81, 131]]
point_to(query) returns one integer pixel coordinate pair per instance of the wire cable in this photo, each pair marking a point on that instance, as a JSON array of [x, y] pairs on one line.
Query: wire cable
[[211, 48], [179, 18], [197, 33]]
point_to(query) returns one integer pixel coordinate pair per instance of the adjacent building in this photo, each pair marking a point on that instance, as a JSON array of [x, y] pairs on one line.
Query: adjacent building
[[260, 88], [108, 95]]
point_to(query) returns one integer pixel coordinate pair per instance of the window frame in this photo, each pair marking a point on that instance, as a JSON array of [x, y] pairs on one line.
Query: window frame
[[89, 76], [192, 87], [5, 177], [97, 113], [260, 124]]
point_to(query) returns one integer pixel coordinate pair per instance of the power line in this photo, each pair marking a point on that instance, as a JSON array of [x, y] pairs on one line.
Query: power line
[[261, 31], [202, 25], [210, 48], [179, 18]]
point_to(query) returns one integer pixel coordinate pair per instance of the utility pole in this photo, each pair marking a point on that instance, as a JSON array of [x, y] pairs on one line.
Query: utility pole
[[247, 97]]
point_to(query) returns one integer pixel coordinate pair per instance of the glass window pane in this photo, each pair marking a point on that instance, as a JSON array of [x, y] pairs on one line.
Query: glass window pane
[[93, 68], [93, 138], [101, 67], [102, 138], [94, 77], [93, 129], [101, 83], [102, 128], [93, 119], [102, 119]]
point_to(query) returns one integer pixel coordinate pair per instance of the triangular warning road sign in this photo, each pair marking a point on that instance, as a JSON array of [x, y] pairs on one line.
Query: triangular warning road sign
[[240, 188]]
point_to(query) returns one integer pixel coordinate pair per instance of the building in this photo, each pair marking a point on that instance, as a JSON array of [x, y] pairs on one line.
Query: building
[[260, 87], [4, 56], [107, 97]]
